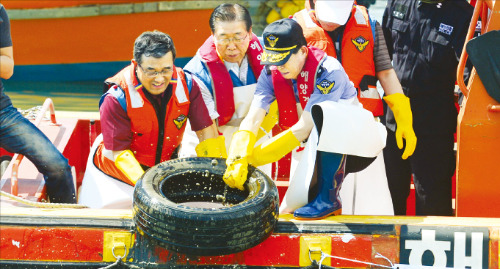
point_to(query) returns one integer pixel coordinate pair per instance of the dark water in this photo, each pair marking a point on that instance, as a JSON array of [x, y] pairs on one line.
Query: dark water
[[67, 96], [84, 96]]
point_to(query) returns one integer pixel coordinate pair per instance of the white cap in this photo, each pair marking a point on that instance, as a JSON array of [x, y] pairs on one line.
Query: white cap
[[336, 11]]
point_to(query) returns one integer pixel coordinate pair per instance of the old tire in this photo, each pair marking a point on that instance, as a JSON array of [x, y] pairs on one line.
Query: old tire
[[162, 218]]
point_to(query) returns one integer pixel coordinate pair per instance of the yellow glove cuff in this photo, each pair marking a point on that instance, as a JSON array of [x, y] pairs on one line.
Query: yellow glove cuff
[[274, 149], [212, 147], [398, 102], [241, 145], [128, 164], [269, 121]]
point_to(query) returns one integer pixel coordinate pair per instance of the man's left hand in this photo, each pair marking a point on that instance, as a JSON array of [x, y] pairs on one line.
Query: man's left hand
[[400, 106]]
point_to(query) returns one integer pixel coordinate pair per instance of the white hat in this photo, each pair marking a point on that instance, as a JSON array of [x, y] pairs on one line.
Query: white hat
[[336, 11]]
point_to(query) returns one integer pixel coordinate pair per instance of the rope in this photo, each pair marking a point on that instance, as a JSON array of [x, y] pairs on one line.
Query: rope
[[120, 264], [115, 264], [324, 255], [39, 204], [30, 113]]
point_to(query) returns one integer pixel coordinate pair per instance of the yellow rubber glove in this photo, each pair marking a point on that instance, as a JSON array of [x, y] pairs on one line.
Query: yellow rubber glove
[[129, 165], [274, 149], [269, 121], [237, 162], [400, 106], [212, 147]]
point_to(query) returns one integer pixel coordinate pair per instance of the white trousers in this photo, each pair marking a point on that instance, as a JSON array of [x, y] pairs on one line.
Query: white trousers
[[367, 192]]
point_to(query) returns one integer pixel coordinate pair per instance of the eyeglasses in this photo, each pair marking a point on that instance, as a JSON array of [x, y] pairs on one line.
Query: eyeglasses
[[236, 40], [154, 73]]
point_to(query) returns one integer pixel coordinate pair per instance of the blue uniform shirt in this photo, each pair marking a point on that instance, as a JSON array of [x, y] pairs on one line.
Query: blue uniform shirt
[[330, 70]]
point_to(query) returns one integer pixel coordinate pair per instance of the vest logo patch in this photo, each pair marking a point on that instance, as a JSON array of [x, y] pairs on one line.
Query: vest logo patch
[[360, 43], [179, 122], [445, 29], [272, 40], [325, 86]]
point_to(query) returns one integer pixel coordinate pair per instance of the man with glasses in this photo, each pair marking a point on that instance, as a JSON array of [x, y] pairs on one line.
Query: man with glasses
[[299, 77], [228, 65], [425, 40], [143, 118]]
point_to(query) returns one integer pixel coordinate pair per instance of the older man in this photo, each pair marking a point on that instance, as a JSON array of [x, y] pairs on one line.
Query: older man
[[228, 65]]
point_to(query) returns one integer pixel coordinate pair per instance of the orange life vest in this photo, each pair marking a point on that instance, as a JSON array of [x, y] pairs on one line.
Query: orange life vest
[[221, 80], [357, 52], [154, 142]]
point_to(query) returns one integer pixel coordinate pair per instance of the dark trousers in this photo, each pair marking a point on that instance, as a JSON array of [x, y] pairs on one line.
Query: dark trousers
[[19, 135], [432, 166]]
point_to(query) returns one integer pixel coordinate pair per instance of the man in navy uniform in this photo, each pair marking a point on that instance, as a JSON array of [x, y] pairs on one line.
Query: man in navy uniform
[[425, 39]]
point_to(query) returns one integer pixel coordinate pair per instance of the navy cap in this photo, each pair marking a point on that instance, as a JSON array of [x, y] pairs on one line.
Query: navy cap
[[280, 38]]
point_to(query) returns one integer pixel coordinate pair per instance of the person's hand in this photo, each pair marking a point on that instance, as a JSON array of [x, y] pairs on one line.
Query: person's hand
[[400, 106], [236, 173], [212, 147], [237, 162], [128, 164]]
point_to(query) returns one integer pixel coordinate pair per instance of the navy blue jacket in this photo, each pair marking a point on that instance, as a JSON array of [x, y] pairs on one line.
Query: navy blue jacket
[[425, 42]]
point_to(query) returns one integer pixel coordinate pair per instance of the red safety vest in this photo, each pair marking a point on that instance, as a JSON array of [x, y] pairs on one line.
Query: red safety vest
[[144, 121], [306, 80], [357, 51], [287, 105], [222, 84]]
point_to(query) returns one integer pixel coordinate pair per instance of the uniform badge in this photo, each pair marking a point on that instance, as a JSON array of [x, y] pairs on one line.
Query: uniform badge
[[179, 122], [360, 43], [445, 29], [272, 40], [274, 58], [325, 86]]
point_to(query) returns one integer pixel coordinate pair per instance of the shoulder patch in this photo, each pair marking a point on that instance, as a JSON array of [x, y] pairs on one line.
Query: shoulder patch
[[325, 86]]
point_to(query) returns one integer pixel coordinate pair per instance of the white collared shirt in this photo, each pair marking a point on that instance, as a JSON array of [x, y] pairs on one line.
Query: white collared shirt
[[239, 70]]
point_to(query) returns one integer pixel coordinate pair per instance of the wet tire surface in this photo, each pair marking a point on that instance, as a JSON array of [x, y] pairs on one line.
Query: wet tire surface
[[163, 212]]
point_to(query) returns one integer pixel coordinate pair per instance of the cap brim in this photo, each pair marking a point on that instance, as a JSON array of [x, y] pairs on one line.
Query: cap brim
[[270, 57], [337, 11]]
